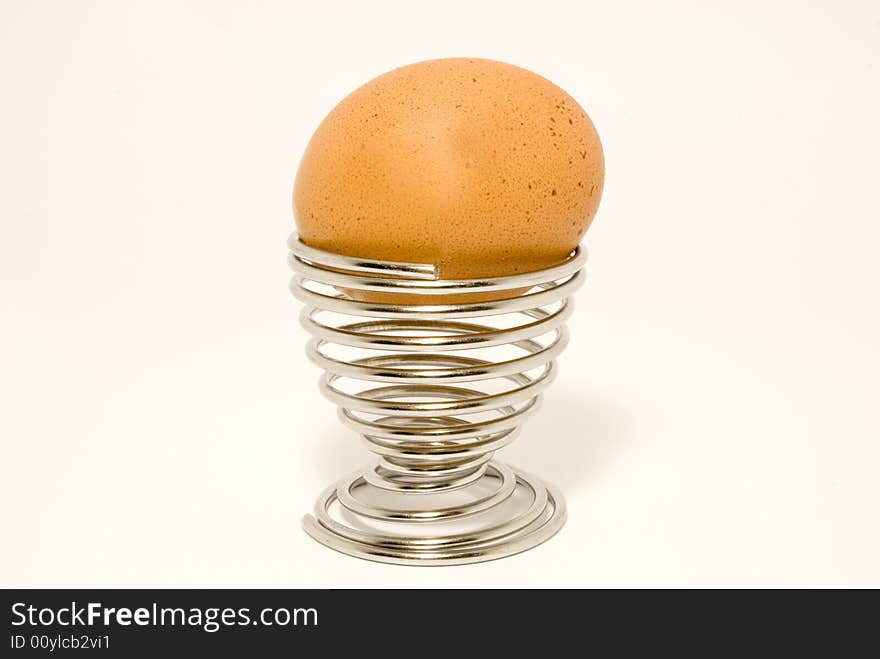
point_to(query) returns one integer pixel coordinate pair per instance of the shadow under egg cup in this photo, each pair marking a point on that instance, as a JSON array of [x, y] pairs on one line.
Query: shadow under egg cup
[[434, 390]]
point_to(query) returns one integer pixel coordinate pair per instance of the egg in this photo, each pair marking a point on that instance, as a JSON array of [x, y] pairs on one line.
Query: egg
[[476, 166]]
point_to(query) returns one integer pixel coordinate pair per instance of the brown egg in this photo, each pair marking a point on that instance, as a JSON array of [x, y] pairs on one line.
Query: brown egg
[[479, 167]]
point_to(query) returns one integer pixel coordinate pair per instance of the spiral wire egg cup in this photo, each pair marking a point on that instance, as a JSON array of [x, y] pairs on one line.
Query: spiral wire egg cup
[[434, 390]]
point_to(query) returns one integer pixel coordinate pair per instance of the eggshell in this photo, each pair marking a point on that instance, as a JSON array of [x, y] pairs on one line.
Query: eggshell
[[479, 167]]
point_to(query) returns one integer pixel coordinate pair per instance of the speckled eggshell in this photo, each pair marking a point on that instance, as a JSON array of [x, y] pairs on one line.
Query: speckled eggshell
[[479, 167]]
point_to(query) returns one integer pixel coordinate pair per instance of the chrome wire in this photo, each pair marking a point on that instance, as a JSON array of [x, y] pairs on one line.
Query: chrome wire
[[430, 392]]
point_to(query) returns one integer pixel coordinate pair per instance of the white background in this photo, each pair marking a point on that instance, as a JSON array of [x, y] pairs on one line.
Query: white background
[[716, 417]]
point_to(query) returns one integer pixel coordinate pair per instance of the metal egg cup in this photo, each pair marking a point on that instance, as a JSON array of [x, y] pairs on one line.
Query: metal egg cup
[[424, 387]]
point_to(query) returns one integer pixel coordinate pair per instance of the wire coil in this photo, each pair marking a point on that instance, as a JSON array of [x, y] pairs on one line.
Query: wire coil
[[434, 390]]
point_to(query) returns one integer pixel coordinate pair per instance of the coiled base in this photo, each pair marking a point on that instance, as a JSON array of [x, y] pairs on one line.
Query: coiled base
[[539, 521], [433, 390]]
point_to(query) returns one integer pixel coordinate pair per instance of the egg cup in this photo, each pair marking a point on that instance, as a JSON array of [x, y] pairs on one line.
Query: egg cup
[[434, 390]]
